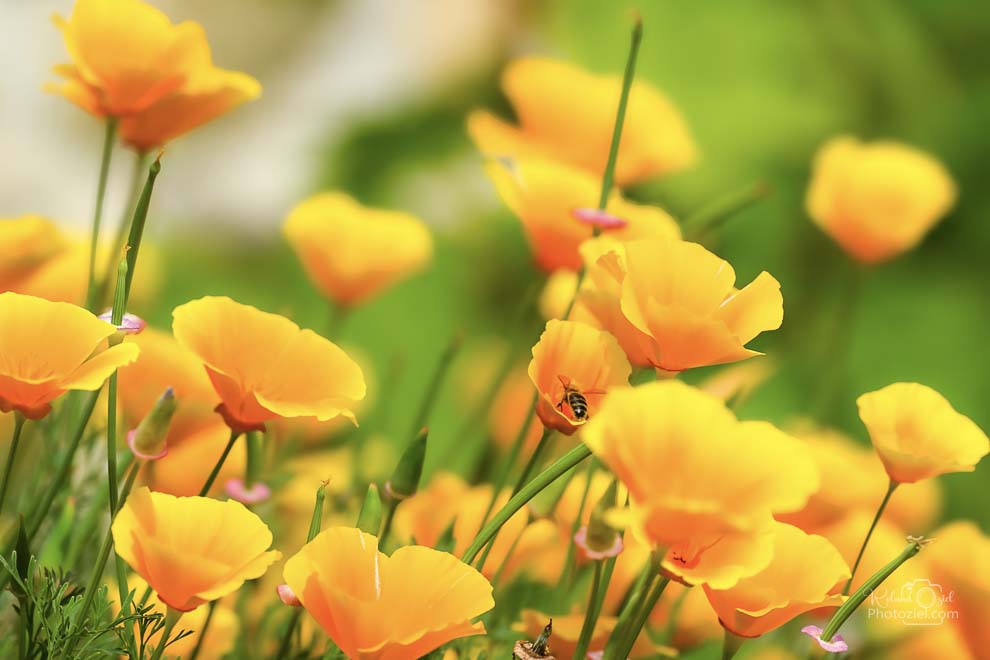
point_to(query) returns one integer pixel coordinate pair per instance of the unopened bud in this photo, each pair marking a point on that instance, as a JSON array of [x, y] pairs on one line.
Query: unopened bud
[[370, 518], [405, 478], [598, 539], [288, 596], [147, 441]]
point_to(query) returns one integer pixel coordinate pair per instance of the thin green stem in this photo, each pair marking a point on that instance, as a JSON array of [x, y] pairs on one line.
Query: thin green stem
[[286, 644], [138, 222], [620, 115], [171, 618], [557, 469], [436, 382], [570, 560], [517, 444], [534, 460], [112, 442], [853, 602], [712, 216], [389, 516], [123, 228], [254, 451], [109, 136], [11, 455], [591, 613], [337, 315], [641, 616], [862, 549], [205, 629], [731, 644], [219, 465]]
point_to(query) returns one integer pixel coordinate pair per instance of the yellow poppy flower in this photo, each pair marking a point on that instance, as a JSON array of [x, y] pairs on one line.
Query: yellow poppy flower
[[263, 366], [47, 348], [544, 195], [191, 550], [130, 61], [680, 300], [943, 641], [572, 357], [853, 478], [567, 632], [28, 241], [959, 562], [802, 576], [877, 200], [165, 363], [353, 252], [714, 525], [918, 434], [375, 606], [557, 294], [189, 461], [694, 623], [220, 637], [568, 115], [509, 410]]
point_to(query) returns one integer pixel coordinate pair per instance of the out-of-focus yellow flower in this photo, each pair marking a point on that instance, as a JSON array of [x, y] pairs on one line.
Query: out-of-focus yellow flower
[[220, 637], [448, 502], [802, 576], [545, 194], [570, 358], [263, 366], [694, 621], [918, 434], [353, 252], [853, 479], [557, 294], [959, 562], [185, 468], [944, 641], [47, 348], [28, 241], [567, 632], [672, 304], [509, 410], [713, 523], [63, 276], [736, 383], [877, 200], [165, 363], [191, 550], [568, 114], [374, 606], [129, 61]]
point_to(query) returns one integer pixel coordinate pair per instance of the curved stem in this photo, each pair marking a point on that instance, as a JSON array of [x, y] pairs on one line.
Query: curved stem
[[534, 458], [556, 470], [101, 188], [873, 526], [203, 630], [433, 389], [11, 454], [219, 465]]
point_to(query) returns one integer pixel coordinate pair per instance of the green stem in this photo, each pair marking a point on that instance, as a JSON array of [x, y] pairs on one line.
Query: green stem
[[591, 614], [101, 189], [137, 177], [433, 389], [389, 516], [171, 618], [216, 468], [138, 222], [731, 645], [286, 644], [553, 472], [712, 216], [11, 454], [337, 314], [514, 451], [534, 459], [642, 615], [203, 631], [874, 581], [253, 467], [570, 560], [869, 533]]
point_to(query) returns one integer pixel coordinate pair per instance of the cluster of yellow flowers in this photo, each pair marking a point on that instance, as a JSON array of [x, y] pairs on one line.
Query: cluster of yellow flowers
[[688, 520]]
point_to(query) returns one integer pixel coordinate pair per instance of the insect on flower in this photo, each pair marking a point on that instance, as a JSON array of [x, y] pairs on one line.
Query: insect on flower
[[575, 399]]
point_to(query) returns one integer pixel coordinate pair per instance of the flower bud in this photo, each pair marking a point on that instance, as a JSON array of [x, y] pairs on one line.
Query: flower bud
[[147, 441], [288, 596], [370, 518], [598, 539], [405, 478], [257, 492]]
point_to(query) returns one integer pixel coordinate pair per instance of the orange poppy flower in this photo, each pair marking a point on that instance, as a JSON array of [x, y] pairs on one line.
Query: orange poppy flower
[[544, 195], [877, 200], [130, 61], [960, 564], [713, 526], [567, 632], [852, 478], [802, 576], [943, 641], [353, 252], [165, 363], [574, 358], [918, 434], [568, 114], [263, 366], [47, 348], [678, 308], [28, 242], [376, 606], [191, 550]]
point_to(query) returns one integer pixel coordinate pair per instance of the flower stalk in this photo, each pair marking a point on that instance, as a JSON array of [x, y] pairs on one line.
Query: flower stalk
[[19, 420], [862, 549], [234, 435], [109, 136]]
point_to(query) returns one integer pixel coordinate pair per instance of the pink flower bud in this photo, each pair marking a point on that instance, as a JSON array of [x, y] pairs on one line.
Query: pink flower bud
[[835, 645], [598, 218], [287, 596], [258, 492], [596, 553]]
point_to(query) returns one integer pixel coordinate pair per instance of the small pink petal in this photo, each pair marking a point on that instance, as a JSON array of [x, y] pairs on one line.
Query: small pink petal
[[581, 540], [130, 325], [144, 457], [598, 218], [287, 596], [595, 655], [259, 492], [836, 645]]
